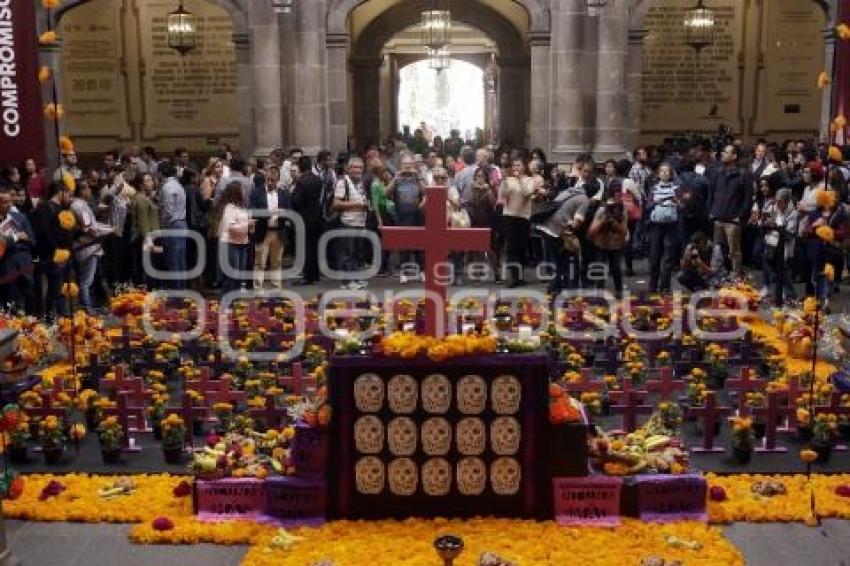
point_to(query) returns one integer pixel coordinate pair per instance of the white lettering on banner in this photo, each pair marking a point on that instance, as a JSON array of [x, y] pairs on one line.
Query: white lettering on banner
[[9, 106]]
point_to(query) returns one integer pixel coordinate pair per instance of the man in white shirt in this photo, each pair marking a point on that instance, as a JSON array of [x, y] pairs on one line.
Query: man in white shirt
[[351, 200]]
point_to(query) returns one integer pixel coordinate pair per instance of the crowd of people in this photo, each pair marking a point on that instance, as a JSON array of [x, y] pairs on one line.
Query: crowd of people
[[701, 210]]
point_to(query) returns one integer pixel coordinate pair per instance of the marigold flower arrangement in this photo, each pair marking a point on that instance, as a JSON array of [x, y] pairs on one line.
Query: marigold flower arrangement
[[51, 433], [61, 256], [111, 434], [67, 220], [173, 431], [743, 436]]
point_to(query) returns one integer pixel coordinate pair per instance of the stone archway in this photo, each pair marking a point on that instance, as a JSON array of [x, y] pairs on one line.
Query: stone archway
[[513, 62], [242, 48], [360, 63]]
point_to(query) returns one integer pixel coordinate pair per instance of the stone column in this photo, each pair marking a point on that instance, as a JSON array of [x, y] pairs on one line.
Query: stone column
[[610, 85], [827, 106], [634, 88], [366, 75], [245, 93], [572, 106], [539, 134], [513, 81], [337, 77], [50, 57], [308, 90], [266, 79]]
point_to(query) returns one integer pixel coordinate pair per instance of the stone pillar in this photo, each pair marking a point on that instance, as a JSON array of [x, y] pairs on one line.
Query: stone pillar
[[513, 81], [573, 83], [337, 73], [309, 96], [366, 75], [539, 134], [634, 88], [610, 85], [51, 57], [828, 103], [266, 80], [245, 93]]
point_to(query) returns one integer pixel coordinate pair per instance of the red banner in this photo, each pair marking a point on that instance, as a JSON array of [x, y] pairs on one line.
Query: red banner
[[21, 121]]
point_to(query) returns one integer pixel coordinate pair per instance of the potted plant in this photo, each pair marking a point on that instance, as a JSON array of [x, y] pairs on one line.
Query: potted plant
[[844, 420], [111, 433], [87, 399], [823, 435], [156, 412], [756, 400], [718, 358], [804, 424], [223, 413], [173, 438], [53, 439], [742, 440], [18, 441]]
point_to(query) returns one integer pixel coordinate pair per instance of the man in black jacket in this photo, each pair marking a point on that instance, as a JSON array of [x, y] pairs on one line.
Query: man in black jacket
[[268, 235], [49, 237], [730, 202], [306, 200]]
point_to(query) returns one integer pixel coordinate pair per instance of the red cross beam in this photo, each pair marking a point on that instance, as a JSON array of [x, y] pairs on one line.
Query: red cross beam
[[586, 384], [437, 240], [298, 383], [711, 414], [743, 385], [124, 412], [220, 391], [46, 409], [836, 408], [772, 413], [630, 407], [790, 394], [135, 386], [665, 385], [269, 413], [189, 413], [59, 386]]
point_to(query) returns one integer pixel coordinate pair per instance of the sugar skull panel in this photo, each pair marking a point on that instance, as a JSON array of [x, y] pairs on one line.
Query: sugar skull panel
[[369, 434], [436, 394], [437, 477], [369, 393], [369, 475], [471, 394], [505, 434], [404, 476], [402, 436], [436, 436], [505, 476], [471, 436], [505, 395], [471, 476], [403, 393]]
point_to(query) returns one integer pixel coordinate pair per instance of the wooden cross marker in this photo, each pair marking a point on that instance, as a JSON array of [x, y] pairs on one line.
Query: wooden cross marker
[[438, 241], [586, 384], [836, 408], [298, 383], [629, 406], [220, 391], [791, 393], [46, 409], [665, 385], [59, 386], [772, 413], [124, 412], [743, 385], [711, 414], [269, 413], [189, 413]]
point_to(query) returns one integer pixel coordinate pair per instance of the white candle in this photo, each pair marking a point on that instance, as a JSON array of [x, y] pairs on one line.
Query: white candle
[[467, 328], [525, 333], [342, 333]]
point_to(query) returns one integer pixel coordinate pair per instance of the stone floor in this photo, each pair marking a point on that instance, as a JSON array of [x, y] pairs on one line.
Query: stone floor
[[74, 544]]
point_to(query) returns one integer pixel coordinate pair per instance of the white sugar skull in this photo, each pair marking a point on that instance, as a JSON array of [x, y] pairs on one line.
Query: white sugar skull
[[403, 392], [436, 393], [505, 433], [436, 477], [471, 476], [369, 475], [471, 436], [368, 434], [436, 436], [505, 476], [471, 394], [404, 476], [369, 393], [506, 395], [402, 436]]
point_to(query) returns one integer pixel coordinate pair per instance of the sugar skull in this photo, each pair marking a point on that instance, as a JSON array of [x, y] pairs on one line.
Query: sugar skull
[[436, 477], [505, 433], [404, 476], [436, 436], [471, 436], [471, 394], [369, 393], [368, 434], [471, 476], [369, 475], [505, 476], [403, 394], [436, 393], [402, 436], [506, 395]]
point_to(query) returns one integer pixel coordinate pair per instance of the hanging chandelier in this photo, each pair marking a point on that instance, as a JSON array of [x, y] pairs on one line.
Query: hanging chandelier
[[283, 6], [436, 27], [700, 26], [182, 30], [439, 59]]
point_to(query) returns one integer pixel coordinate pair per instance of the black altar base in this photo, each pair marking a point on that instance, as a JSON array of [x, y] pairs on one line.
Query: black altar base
[[375, 478]]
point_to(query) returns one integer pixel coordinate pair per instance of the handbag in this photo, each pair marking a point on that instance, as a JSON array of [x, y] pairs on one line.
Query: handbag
[[633, 210], [664, 214], [571, 242], [543, 211], [460, 219]]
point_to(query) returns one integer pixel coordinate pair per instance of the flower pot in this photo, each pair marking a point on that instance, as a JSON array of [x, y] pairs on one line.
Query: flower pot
[[759, 429], [197, 428], [844, 431], [91, 418], [824, 450], [606, 407], [53, 455], [111, 456], [18, 454], [157, 430], [804, 433], [741, 455], [172, 454]]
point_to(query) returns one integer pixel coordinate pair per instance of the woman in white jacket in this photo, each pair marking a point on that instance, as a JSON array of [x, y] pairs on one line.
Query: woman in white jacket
[[780, 222]]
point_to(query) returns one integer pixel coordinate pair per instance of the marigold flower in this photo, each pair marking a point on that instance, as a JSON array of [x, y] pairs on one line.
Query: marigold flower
[[808, 455], [824, 198], [61, 255], [44, 74], [54, 111], [823, 79], [47, 38], [50, 4], [825, 233], [843, 32]]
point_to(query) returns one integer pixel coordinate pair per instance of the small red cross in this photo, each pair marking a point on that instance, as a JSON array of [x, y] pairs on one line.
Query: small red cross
[[437, 240], [665, 385], [710, 414], [743, 385], [771, 412]]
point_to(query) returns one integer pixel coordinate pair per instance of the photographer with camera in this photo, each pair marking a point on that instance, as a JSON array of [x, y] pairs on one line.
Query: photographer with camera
[[696, 264], [609, 233], [407, 191]]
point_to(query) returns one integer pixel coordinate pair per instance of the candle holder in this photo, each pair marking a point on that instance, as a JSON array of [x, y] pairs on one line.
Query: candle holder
[[448, 548]]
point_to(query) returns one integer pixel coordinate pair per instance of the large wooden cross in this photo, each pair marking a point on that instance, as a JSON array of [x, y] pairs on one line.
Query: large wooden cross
[[744, 385], [437, 240]]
